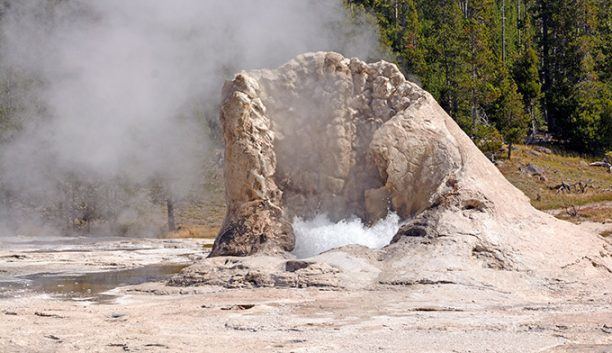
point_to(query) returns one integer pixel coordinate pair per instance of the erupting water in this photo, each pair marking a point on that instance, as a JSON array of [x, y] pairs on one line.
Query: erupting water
[[319, 234]]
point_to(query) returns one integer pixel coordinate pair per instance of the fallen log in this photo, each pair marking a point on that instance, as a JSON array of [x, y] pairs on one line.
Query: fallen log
[[604, 164], [583, 186], [563, 187]]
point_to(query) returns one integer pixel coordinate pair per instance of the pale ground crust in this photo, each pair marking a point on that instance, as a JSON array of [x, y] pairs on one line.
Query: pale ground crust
[[153, 317]]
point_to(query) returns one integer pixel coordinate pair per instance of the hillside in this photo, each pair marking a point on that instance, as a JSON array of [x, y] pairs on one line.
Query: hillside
[[590, 188]]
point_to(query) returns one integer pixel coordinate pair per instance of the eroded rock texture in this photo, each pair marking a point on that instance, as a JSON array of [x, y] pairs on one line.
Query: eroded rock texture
[[328, 134]]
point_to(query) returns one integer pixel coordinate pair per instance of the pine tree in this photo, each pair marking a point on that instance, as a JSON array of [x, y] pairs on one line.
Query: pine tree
[[485, 60], [526, 73], [575, 97], [527, 79], [482, 61], [400, 29], [446, 55], [510, 117], [412, 54]]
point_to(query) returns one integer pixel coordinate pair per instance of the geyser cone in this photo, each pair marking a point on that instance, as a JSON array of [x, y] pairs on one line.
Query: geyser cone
[[324, 134]]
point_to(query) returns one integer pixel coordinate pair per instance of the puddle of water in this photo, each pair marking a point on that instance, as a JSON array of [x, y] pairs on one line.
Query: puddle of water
[[89, 286]]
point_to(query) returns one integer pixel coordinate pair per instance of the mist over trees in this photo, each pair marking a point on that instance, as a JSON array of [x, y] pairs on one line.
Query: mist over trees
[[108, 108], [509, 66]]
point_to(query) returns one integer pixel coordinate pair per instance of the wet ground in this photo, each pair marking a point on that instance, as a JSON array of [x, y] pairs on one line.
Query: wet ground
[[83, 268], [87, 287]]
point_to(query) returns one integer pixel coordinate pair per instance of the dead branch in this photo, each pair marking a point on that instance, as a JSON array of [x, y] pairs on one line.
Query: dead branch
[[583, 186], [563, 187], [604, 164], [572, 211]]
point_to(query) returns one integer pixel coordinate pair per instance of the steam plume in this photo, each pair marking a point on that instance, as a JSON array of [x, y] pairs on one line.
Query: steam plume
[[113, 95]]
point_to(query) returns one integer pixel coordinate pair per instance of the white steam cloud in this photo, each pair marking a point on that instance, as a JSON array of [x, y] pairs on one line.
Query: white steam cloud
[[122, 89]]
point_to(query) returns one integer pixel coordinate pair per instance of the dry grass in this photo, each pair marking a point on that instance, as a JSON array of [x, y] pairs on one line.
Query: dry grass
[[592, 213], [557, 168], [194, 231], [202, 216]]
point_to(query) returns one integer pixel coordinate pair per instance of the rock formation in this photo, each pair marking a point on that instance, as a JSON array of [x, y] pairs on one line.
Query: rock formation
[[328, 134], [325, 134]]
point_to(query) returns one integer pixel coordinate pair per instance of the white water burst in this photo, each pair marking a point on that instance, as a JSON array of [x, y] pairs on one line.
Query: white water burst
[[319, 234]]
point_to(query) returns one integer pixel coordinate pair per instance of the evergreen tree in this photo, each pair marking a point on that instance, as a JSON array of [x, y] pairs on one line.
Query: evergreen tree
[[446, 55], [400, 30], [574, 61], [526, 73], [527, 79], [483, 59], [412, 57], [510, 117]]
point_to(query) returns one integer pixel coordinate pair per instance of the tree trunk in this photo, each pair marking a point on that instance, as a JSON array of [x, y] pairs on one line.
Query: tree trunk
[[6, 207], [534, 125], [509, 150], [396, 11], [503, 9], [519, 22], [170, 209], [546, 79]]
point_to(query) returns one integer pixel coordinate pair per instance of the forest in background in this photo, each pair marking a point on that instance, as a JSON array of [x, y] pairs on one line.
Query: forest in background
[[503, 69], [506, 69]]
